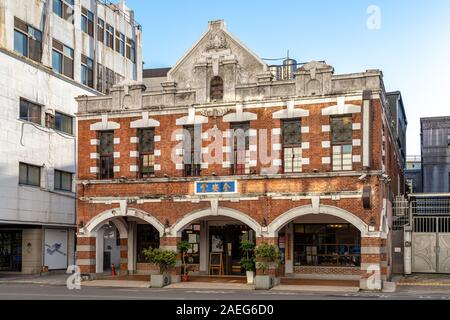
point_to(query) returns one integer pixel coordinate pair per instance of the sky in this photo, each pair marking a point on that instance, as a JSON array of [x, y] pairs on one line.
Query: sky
[[409, 40]]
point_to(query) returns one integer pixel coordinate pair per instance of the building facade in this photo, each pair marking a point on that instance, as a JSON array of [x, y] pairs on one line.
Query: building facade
[[223, 152], [413, 174], [51, 52], [435, 143]]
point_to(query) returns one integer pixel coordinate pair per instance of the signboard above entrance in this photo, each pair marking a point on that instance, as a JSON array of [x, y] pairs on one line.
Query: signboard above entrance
[[215, 187]]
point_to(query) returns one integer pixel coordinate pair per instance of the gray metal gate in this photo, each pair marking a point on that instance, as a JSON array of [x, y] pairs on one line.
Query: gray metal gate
[[431, 244]]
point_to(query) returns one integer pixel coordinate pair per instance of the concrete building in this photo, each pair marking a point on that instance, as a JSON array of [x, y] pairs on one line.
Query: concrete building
[[413, 174], [220, 151], [51, 52], [435, 144]]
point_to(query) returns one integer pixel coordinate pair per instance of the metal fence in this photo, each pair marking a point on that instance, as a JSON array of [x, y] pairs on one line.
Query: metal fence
[[430, 205], [401, 214]]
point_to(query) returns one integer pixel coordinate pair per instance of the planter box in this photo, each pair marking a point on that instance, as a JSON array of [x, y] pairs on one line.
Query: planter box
[[159, 280], [264, 282]]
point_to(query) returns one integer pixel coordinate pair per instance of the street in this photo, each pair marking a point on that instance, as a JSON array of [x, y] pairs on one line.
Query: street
[[46, 292]]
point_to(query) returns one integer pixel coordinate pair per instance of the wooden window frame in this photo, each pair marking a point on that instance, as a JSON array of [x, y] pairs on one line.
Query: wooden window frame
[[146, 154], [341, 144], [239, 167], [191, 167], [293, 147], [105, 158]]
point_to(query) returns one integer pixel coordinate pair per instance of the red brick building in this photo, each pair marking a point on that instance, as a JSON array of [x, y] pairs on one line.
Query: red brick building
[[221, 149]]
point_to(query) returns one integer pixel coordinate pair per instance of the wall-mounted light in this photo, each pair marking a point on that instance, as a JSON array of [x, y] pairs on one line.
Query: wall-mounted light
[[81, 224]]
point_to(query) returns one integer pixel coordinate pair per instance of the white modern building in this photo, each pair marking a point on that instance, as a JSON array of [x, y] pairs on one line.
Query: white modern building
[[52, 51]]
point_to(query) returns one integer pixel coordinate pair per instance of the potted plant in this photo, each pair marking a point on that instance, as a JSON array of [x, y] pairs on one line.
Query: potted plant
[[184, 247], [267, 257], [164, 259], [248, 261]]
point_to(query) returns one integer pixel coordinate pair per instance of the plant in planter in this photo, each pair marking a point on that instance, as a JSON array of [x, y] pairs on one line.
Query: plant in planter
[[267, 256], [184, 247], [164, 259], [248, 261]]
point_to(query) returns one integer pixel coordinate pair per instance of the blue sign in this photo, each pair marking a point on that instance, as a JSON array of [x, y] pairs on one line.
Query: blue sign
[[215, 187]]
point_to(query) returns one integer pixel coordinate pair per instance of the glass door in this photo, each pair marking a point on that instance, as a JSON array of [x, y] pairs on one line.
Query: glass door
[[11, 251]]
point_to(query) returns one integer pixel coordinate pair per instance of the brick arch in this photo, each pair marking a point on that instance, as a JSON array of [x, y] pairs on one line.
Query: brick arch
[[115, 215], [178, 227], [295, 213]]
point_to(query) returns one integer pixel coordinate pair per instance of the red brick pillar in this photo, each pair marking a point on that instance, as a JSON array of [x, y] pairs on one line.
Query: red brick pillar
[[373, 263], [86, 254], [124, 256], [170, 243]]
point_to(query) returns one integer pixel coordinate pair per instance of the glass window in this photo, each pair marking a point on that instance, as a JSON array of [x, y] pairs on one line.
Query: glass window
[[109, 36], [87, 71], [101, 30], [341, 129], [57, 61], [292, 145], [58, 7], [30, 112], [241, 148], [192, 151], [63, 123], [333, 245], [342, 143], [120, 43], [87, 21], [27, 40], [21, 43], [192, 235], [29, 175], [146, 152], [10, 250], [147, 237], [106, 151], [63, 181], [216, 89], [131, 50], [62, 59]]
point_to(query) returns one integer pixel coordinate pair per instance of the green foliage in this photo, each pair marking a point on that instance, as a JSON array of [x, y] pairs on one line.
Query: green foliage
[[163, 258], [184, 246], [266, 254], [248, 261]]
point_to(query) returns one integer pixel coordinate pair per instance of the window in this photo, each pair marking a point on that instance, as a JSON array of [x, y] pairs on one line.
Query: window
[[63, 181], [241, 142], [63, 123], [109, 36], [87, 21], [106, 151], [131, 50], [100, 71], [120, 43], [87, 71], [216, 89], [192, 151], [63, 9], [101, 30], [11, 250], [342, 143], [327, 245], [29, 175], [109, 79], [448, 139], [27, 40], [147, 237], [30, 112], [62, 59], [146, 152], [191, 234], [292, 146]]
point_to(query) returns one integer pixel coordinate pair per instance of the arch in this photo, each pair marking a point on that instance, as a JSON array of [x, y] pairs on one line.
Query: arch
[[111, 215], [225, 212], [295, 213], [216, 89]]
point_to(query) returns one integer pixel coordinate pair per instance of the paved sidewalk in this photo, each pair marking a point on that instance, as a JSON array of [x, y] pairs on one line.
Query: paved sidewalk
[[58, 279], [423, 280]]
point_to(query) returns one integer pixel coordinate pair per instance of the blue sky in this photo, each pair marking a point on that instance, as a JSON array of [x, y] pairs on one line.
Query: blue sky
[[412, 47]]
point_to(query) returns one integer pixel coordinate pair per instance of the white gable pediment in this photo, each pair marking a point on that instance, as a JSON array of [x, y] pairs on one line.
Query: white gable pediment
[[216, 47]]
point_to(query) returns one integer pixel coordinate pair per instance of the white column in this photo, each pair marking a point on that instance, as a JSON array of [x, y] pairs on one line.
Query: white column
[[204, 256], [289, 236], [99, 242], [131, 247]]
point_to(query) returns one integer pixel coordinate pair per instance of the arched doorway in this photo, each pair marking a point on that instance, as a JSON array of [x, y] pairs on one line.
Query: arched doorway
[[120, 240], [322, 245], [216, 237]]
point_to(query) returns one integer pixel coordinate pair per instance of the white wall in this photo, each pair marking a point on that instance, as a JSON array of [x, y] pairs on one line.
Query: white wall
[[23, 142]]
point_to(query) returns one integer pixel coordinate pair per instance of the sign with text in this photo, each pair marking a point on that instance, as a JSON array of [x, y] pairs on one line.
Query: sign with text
[[215, 187]]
